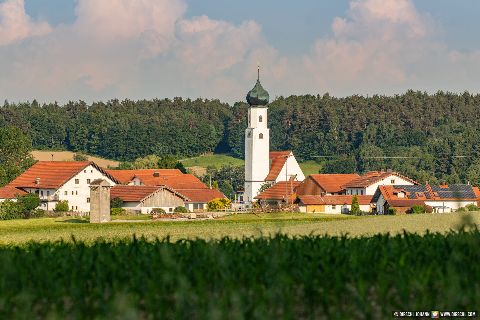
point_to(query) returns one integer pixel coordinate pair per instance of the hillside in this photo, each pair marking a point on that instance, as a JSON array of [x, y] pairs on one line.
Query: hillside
[[68, 156], [427, 137]]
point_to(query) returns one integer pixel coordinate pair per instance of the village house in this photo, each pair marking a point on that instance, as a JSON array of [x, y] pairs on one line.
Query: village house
[[444, 198], [194, 193], [56, 181], [142, 199], [332, 193], [368, 183], [10, 193], [332, 204], [279, 194]]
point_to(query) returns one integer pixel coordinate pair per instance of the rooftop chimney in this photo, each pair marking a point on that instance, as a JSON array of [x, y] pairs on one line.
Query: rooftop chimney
[[37, 180]]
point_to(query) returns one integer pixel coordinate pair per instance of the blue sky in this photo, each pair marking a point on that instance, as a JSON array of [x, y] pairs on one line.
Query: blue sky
[[97, 50]]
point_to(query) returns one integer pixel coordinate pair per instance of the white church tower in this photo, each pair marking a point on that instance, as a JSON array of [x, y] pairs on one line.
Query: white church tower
[[257, 142]]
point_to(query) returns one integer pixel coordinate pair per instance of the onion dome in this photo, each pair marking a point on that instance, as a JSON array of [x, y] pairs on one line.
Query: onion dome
[[258, 96]]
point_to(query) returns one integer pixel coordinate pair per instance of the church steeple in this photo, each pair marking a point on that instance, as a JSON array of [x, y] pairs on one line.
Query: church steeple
[[258, 96], [257, 141]]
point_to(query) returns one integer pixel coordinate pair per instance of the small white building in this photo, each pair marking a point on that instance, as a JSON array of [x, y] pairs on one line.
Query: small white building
[[336, 204], [368, 183], [56, 181]]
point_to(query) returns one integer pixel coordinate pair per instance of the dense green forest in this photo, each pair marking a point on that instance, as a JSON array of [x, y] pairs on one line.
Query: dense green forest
[[428, 137]]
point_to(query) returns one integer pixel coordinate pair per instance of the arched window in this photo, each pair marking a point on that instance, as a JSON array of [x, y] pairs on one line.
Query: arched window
[[260, 119], [260, 136]]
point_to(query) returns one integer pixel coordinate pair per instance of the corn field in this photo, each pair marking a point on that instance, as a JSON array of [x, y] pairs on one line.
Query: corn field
[[262, 278]]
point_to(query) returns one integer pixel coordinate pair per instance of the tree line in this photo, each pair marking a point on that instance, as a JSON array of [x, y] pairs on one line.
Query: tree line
[[430, 137]]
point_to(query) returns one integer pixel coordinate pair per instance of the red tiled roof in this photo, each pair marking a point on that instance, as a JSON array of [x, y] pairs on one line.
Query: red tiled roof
[[279, 190], [334, 200], [277, 159], [137, 193], [52, 174], [183, 181], [406, 203], [333, 183], [201, 195], [9, 192], [372, 177], [125, 176]]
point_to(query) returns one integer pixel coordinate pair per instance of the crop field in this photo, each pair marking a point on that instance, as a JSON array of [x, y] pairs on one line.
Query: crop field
[[310, 277], [42, 155], [235, 226]]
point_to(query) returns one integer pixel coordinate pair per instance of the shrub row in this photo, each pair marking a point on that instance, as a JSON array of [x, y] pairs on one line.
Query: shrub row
[[265, 278]]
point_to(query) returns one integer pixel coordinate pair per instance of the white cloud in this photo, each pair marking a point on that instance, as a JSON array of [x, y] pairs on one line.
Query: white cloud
[[149, 48], [16, 25]]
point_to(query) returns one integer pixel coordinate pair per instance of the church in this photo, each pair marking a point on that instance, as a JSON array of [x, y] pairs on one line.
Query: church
[[263, 166]]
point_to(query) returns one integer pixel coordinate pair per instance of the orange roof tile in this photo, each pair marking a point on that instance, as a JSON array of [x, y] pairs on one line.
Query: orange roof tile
[[9, 192], [334, 200], [277, 159], [333, 183], [279, 191], [51, 174], [137, 193], [183, 181], [201, 195], [125, 176], [372, 177]]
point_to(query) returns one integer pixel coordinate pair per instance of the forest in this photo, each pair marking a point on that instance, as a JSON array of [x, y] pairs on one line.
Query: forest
[[429, 137]]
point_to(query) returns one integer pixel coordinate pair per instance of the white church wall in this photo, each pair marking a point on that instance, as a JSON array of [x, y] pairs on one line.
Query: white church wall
[[291, 168]]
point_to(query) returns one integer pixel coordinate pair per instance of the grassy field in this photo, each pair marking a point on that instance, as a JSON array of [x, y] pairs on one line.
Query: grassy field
[[213, 160], [42, 155], [310, 167], [236, 226]]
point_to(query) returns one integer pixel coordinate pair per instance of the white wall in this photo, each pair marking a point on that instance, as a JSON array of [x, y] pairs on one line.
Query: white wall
[[450, 205], [81, 191], [257, 162], [291, 168], [370, 190], [341, 208]]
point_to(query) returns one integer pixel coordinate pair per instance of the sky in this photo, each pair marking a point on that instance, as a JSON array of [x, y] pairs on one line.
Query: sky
[[91, 50]]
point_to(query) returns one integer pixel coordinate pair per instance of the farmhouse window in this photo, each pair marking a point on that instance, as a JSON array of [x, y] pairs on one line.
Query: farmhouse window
[[392, 181], [73, 193], [77, 181], [66, 192], [334, 207], [88, 181], [41, 193]]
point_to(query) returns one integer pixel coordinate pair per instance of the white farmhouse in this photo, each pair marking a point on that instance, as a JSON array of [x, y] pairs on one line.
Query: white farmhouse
[[370, 181], [261, 165], [56, 181]]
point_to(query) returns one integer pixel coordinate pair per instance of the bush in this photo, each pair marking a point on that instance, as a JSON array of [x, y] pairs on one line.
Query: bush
[[62, 206], [80, 157], [158, 211], [180, 209], [462, 210], [118, 212], [10, 210], [28, 202], [392, 211], [472, 207], [417, 209], [355, 210], [116, 202], [37, 213], [218, 204]]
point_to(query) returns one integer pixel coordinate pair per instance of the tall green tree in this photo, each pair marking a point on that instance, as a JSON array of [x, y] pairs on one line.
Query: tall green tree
[[15, 147]]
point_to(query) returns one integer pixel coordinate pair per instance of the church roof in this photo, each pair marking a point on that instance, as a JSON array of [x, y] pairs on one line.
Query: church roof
[[258, 96], [277, 161]]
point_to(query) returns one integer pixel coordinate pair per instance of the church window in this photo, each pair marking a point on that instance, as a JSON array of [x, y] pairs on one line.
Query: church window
[[260, 119], [260, 136], [249, 134]]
